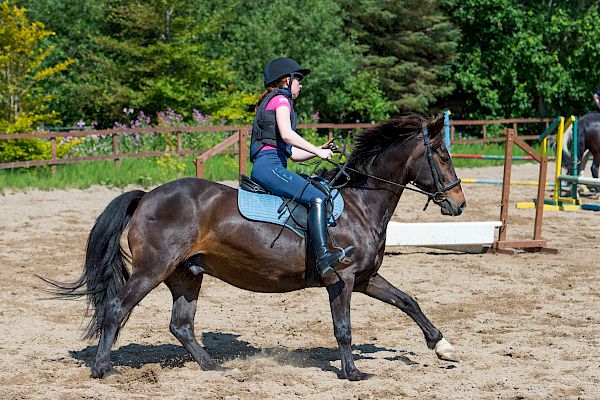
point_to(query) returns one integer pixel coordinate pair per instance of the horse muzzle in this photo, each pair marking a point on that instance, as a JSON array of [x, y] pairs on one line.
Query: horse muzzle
[[450, 206]]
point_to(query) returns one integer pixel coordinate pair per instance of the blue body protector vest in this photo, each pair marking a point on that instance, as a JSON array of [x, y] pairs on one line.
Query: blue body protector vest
[[264, 128]]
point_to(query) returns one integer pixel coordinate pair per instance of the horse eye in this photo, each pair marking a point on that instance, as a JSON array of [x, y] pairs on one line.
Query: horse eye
[[444, 156]]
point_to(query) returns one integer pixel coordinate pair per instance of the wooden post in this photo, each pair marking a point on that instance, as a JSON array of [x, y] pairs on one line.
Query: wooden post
[[515, 127], [539, 207], [536, 244], [484, 132], [199, 167], [243, 152], [179, 143], [115, 138], [509, 133], [213, 152], [53, 149]]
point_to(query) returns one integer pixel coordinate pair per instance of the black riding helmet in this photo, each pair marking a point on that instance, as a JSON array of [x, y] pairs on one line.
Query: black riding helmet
[[280, 67]]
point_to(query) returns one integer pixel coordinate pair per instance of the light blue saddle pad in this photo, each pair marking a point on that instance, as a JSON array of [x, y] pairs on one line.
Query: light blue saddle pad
[[263, 207]]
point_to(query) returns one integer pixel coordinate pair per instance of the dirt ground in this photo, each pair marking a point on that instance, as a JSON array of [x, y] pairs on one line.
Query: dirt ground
[[526, 326]]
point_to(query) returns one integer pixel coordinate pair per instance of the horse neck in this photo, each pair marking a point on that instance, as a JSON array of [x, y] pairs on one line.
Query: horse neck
[[381, 198]]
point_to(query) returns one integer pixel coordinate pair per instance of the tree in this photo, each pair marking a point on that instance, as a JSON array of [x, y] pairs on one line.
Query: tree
[[147, 55], [312, 32], [79, 93], [526, 59], [23, 103], [410, 44]]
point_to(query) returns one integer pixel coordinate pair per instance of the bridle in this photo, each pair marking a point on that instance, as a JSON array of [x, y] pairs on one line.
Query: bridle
[[437, 197]]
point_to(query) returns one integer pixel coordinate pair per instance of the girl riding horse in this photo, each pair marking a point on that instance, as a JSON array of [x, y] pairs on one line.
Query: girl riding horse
[[274, 140]]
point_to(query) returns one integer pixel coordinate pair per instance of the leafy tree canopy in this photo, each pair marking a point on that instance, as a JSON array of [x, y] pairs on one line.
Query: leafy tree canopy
[[531, 58], [311, 32], [23, 103]]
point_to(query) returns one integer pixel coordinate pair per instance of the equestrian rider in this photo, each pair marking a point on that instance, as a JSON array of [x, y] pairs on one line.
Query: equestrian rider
[[597, 97], [274, 140]]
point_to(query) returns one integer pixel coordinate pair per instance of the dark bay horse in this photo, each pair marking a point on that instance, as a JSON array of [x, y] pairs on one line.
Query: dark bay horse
[[195, 218], [588, 144]]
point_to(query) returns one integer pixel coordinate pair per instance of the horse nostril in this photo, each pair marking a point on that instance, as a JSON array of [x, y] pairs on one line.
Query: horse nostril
[[463, 205]]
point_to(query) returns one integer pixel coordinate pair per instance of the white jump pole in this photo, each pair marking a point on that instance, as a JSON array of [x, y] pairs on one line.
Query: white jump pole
[[581, 180]]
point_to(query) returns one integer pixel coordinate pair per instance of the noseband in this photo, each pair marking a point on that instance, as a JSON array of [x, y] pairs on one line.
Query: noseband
[[438, 197]]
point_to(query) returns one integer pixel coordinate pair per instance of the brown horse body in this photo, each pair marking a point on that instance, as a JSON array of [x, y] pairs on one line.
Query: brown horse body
[[194, 218]]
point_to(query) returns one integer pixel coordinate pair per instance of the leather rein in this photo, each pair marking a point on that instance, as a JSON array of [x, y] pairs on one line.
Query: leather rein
[[437, 197]]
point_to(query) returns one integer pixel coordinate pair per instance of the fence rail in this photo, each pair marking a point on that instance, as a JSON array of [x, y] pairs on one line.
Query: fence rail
[[239, 136]]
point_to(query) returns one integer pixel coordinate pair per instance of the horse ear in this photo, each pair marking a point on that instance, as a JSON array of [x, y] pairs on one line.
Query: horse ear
[[437, 125]]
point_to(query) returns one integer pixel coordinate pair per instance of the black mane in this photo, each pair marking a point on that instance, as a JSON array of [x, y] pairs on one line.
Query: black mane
[[383, 137], [386, 135]]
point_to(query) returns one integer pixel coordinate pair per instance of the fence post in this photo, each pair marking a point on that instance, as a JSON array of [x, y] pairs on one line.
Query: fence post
[[179, 143], [485, 132], [116, 149], [199, 167], [53, 149], [243, 150]]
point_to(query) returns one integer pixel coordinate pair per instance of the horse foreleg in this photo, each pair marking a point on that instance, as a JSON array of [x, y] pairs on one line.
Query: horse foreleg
[[382, 290], [185, 287], [339, 300], [136, 288]]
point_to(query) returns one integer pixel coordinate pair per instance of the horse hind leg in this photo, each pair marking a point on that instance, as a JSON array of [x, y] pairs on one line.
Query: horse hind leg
[[381, 289], [185, 286], [115, 312]]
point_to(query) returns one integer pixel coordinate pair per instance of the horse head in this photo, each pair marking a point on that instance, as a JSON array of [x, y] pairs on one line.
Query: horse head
[[430, 168], [409, 149]]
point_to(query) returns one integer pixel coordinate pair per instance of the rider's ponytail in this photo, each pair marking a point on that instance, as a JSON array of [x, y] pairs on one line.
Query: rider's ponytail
[[269, 89]]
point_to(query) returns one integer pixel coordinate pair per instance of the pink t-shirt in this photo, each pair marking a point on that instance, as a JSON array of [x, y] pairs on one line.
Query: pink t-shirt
[[278, 101], [274, 103]]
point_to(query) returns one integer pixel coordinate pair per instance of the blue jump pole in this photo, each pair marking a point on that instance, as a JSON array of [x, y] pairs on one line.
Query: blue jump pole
[[447, 129]]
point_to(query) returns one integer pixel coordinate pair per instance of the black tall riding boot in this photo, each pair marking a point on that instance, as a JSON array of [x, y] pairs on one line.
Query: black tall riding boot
[[317, 228]]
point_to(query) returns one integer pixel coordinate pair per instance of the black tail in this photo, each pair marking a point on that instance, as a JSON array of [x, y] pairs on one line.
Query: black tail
[[104, 272]]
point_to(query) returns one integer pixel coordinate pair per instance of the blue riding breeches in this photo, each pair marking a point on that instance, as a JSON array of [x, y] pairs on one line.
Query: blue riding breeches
[[270, 171]]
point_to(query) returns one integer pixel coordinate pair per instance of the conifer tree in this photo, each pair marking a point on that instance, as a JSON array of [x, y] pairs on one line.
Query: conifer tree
[[410, 44]]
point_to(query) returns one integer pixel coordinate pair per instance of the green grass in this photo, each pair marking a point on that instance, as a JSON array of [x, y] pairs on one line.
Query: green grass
[[143, 172]]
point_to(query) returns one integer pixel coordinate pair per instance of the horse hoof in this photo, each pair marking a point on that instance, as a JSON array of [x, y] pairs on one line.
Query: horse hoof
[[212, 366], [104, 373], [356, 375], [445, 351]]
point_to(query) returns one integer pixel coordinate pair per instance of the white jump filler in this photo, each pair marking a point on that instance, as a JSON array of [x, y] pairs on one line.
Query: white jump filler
[[469, 237]]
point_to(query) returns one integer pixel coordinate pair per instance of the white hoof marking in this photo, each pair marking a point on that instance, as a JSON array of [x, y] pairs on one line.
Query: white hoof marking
[[445, 351]]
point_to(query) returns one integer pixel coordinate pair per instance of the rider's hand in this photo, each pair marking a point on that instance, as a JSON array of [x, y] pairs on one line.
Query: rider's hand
[[328, 145], [325, 154]]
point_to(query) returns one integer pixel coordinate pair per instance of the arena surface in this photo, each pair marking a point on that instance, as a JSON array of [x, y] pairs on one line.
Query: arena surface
[[526, 326]]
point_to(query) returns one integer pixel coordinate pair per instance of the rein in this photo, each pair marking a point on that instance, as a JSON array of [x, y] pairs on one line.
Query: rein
[[438, 197]]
